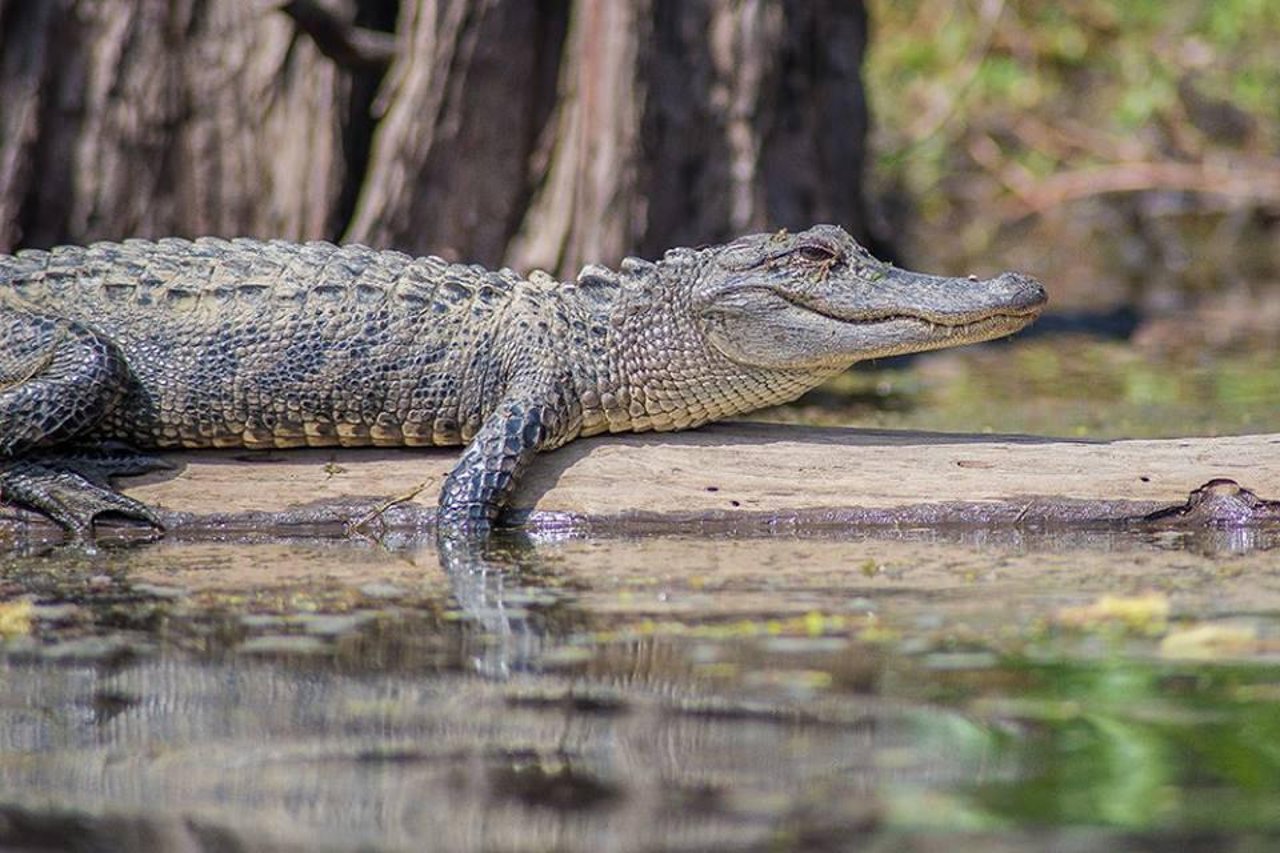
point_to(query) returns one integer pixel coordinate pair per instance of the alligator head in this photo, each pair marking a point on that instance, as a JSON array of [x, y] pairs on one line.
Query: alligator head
[[708, 333], [818, 300]]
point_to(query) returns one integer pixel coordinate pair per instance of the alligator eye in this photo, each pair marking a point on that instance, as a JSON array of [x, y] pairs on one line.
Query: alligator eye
[[816, 254]]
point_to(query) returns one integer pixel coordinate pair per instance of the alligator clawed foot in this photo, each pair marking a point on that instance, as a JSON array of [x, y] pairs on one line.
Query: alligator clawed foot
[[68, 498]]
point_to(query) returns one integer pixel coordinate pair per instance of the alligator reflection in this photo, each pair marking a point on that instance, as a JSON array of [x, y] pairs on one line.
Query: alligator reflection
[[500, 583], [1219, 542]]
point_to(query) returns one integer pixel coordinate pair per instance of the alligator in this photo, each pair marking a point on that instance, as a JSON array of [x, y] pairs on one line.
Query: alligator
[[212, 343]]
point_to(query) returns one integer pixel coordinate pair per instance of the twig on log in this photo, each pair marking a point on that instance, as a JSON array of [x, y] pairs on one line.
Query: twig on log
[[377, 512]]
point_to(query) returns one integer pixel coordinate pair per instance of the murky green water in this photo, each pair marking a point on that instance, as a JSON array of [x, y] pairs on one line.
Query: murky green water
[[1070, 386], [924, 689]]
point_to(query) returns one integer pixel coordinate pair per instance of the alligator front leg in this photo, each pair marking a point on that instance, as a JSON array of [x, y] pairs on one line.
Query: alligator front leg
[[480, 485]]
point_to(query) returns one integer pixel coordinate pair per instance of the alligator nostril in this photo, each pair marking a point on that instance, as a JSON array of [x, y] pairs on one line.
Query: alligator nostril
[[1024, 291], [1032, 292]]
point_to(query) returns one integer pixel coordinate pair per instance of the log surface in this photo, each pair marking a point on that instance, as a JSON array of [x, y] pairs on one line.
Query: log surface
[[736, 468]]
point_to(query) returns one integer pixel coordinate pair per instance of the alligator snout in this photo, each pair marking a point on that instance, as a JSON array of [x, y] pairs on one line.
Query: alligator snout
[[1020, 293]]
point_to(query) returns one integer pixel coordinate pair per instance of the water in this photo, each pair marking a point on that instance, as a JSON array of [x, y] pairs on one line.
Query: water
[[1063, 385], [907, 689]]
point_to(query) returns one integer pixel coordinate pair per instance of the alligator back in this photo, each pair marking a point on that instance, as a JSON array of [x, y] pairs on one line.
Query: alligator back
[[275, 344]]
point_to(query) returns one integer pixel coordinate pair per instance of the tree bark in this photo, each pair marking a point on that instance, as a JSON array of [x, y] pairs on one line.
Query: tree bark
[[459, 112], [539, 134], [150, 118]]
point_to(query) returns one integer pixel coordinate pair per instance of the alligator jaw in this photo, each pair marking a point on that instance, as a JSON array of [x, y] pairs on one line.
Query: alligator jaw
[[903, 334], [946, 324], [938, 300], [919, 312]]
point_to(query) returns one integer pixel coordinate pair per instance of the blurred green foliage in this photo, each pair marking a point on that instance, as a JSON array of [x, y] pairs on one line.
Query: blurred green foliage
[[943, 66]]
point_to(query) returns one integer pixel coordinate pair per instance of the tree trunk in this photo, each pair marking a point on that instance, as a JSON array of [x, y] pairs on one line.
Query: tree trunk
[[163, 117], [460, 111], [546, 133]]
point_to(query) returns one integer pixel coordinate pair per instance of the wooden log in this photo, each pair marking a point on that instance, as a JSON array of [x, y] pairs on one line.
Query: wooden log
[[727, 474]]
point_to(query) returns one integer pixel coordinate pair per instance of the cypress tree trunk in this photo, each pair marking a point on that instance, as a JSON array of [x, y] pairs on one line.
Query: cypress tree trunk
[[151, 117], [544, 133]]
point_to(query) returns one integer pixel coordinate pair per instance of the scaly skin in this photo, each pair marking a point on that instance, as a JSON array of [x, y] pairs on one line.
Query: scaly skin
[[213, 343]]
